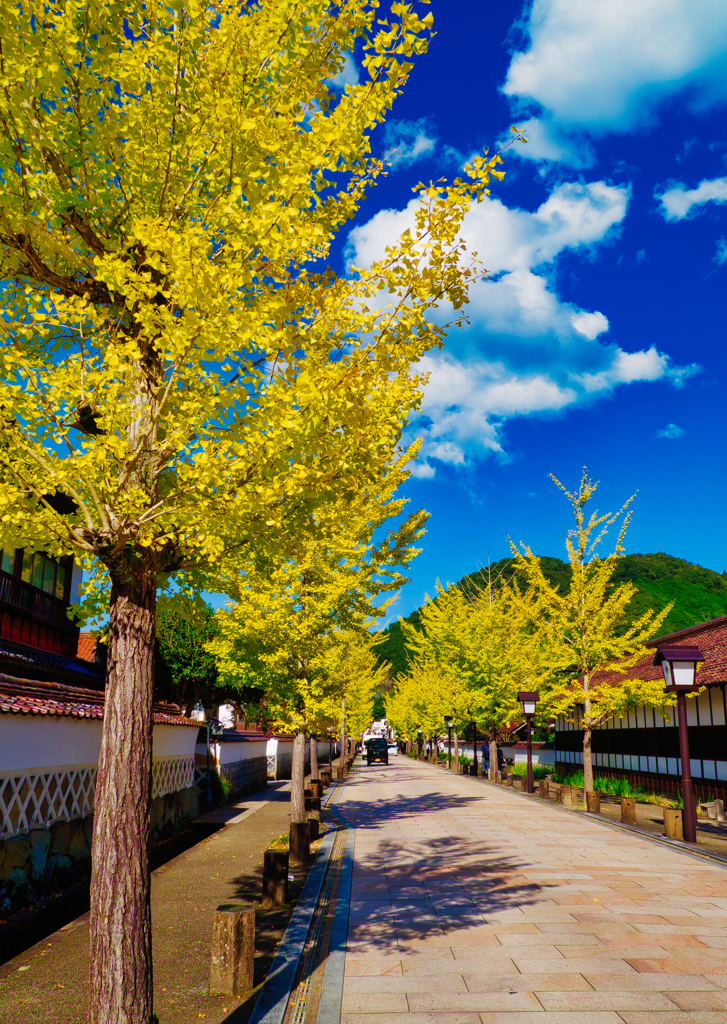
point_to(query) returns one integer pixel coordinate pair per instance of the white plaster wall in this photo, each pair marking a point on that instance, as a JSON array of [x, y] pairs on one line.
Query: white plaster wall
[[34, 742], [177, 740], [229, 753]]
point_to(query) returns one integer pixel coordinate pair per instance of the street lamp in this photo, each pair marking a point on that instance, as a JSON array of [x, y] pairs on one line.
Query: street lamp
[[449, 723], [679, 665], [420, 742], [528, 703], [215, 729]]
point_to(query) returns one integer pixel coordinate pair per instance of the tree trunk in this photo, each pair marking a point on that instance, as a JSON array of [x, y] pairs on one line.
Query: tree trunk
[[297, 780], [587, 760], [120, 946], [493, 754], [587, 726], [314, 759], [342, 738]]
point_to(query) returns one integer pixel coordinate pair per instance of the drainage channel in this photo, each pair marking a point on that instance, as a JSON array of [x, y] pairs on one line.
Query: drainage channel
[[305, 997]]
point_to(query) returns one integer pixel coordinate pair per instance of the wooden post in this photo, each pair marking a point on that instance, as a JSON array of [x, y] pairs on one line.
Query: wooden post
[[299, 842], [593, 803], [275, 878], [566, 795], [313, 808], [316, 788], [673, 823], [233, 949], [544, 789], [326, 778], [315, 828], [628, 810]]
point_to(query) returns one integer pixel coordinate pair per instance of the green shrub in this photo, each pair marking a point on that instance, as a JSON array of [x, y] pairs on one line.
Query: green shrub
[[540, 771]]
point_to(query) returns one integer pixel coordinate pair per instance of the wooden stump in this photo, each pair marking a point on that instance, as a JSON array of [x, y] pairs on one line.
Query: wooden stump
[[566, 795], [233, 949], [593, 803], [628, 810], [326, 778], [544, 789], [316, 788], [275, 878], [313, 808], [673, 823], [299, 842]]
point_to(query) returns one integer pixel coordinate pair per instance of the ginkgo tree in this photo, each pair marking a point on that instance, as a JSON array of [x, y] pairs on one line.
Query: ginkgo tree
[[294, 625], [181, 370], [586, 638]]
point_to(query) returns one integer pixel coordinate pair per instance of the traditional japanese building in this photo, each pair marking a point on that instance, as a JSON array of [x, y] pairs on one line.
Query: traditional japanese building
[[642, 746], [37, 638]]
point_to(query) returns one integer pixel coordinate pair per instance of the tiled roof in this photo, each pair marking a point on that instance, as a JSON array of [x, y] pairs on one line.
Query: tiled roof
[[86, 646], [34, 657], [710, 637], [31, 697]]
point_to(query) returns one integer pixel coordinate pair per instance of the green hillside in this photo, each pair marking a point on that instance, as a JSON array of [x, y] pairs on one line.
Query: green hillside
[[698, 594]]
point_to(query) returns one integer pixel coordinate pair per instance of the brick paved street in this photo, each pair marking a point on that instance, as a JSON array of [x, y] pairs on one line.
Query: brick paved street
[[472, 905]]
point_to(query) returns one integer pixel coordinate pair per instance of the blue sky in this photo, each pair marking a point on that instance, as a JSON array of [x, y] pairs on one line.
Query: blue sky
[[599, 338]]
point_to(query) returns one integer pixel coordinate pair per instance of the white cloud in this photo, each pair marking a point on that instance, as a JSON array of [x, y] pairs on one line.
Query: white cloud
[[407, 142], [607, 65], [671, 432], [348, 75], [678, 201], [720, 256], [526, 351]]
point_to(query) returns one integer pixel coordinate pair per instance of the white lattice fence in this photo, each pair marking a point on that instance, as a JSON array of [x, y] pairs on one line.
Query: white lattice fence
[[33, 799], [39, 797], [170, 774]]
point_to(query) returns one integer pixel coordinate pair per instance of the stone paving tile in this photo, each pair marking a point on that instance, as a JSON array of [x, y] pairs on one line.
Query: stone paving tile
[[467, 911]]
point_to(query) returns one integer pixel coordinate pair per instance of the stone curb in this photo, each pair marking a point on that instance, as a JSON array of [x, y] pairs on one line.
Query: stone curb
[[272, 1001], [672, 844]]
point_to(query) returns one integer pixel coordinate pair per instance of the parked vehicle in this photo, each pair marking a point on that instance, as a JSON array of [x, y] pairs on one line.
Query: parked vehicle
[[377, 750], [393, 747]]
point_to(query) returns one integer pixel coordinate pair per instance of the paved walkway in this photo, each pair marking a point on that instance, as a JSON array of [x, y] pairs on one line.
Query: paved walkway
[[472, 905]]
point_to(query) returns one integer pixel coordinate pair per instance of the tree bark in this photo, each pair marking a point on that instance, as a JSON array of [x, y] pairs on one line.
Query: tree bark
[[314, 759], [587, 727], [120, 945], [297, 780], [493, 754], [587, 760]]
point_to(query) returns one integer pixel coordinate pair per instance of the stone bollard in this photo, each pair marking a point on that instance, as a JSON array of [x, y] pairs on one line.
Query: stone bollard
[[673, 823], [299, 842], [275, 878], [233, 949], [316, 788], [628, 810], [566, 795], [544, 789], [593, 803]]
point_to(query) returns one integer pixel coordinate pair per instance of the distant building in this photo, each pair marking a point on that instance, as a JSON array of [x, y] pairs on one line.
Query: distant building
[[37, 639], [644, 748]]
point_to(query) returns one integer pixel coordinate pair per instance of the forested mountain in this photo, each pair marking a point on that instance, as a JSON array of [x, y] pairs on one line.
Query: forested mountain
[[698, 594]]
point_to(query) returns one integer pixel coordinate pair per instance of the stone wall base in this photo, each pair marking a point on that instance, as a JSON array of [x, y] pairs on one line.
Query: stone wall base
[[50, 859]]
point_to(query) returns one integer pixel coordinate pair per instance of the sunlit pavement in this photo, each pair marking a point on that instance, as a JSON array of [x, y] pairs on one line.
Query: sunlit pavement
[[471, 904]]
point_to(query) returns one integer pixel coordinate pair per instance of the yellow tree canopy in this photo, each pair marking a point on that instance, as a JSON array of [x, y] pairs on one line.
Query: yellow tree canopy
[[584, 633], [177, 364], [290, 623]]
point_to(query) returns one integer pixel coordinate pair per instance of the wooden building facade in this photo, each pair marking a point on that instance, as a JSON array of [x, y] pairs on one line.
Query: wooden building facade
[[643, 747]]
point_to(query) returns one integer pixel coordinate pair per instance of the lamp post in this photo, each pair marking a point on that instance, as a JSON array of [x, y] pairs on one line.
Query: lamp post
[[214, 731], [449, 723], [528, 703], [679, 665], [420, 741], [474, 745]]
